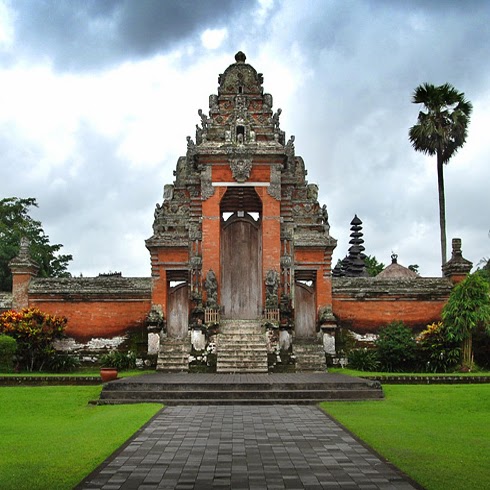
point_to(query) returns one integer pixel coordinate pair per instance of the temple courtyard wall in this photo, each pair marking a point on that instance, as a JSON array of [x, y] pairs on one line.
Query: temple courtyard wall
[[103, 312]]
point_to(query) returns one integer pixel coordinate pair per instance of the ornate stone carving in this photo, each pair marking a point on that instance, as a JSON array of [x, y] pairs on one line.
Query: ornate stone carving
[[213, 104], [168, 192], [196, 262], [195, 232], [211, 287], [207, 189], [241, 168], [274, 188], [271, 288]]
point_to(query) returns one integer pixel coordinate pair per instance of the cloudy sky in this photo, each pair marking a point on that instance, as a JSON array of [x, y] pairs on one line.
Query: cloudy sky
[[97, 98]]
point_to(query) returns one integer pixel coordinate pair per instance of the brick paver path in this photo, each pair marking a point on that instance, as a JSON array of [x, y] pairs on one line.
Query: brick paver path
[[244, 447]]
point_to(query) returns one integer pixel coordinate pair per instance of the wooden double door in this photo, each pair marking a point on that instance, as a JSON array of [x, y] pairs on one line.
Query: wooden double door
[[241, 267]]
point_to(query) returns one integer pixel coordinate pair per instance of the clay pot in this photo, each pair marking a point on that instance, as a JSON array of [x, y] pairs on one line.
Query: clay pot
[[108, 374]]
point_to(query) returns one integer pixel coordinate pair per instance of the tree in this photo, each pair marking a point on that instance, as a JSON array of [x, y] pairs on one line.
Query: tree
[[467, 308], [373, 267], [440, 131], [15, 223], [414, 268]]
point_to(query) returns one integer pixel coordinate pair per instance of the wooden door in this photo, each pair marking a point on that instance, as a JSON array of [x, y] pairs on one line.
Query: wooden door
[[241, 263], [178, 311], [304, 311]]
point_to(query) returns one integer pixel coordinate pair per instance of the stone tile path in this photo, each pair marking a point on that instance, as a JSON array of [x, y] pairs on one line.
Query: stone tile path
[[244, 447]]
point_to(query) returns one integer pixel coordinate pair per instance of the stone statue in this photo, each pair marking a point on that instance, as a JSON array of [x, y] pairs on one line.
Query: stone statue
[[211, 287], [271, 288], [190, 144], [324, 213], [204, 120], [275, 119]]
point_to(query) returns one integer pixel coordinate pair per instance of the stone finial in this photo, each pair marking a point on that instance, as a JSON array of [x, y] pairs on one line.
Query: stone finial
[[394, 258], [240, 57], [23, 262], [457, 267]]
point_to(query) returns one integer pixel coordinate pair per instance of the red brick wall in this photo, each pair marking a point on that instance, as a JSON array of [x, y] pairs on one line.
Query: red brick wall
[[89, 319], [368, 316], [366, 304], [271, 231], [211, 231]]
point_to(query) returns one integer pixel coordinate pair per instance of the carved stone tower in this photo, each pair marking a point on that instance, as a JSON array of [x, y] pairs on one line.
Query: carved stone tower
[[240, 229]]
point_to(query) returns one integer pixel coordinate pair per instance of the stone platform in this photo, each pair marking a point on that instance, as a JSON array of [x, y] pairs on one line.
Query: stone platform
[[288, 388]]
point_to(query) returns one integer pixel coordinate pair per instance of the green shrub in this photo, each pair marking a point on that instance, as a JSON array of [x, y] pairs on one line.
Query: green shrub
[[62, 363], [119, 360], [438, 354], [363, 359], [344, 342], [8, 346], [397, 349]]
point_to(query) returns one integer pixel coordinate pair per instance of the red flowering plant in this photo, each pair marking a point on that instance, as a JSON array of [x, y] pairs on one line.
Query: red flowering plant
[[34, 332]]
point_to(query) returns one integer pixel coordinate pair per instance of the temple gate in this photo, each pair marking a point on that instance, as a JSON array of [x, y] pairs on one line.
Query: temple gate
[[240, 225]]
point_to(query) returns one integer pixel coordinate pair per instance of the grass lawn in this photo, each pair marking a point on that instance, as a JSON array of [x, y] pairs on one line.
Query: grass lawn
[[355, 372], [95, 372], [51, 438], [437, 434]]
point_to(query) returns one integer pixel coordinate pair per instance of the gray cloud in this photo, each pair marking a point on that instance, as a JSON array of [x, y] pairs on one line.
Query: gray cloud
[[93, 34], [358, 64]]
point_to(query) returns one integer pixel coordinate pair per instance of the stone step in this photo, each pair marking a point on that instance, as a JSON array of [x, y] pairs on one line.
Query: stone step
[[123, 385], [248, 388], [174, 355], [309, 357], [241, 347], [229, 361], [241, 341], [166, 395]]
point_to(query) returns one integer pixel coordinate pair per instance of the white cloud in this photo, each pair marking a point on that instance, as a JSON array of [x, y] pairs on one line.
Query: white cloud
[[213, 38]]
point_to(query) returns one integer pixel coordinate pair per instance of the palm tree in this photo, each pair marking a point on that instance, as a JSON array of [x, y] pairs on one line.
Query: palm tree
[[441, 131]]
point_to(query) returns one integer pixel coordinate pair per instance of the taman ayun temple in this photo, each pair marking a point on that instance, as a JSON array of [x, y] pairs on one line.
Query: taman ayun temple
[[241, 259]]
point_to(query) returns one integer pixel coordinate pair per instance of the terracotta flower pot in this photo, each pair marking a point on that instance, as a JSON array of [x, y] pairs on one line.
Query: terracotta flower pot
[[108, 374]]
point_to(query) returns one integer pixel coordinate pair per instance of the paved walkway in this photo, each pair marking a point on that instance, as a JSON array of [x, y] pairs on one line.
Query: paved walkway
[[244, 447]]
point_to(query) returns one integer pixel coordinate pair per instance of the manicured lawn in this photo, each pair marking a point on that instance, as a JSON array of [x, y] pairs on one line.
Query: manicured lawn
[[437, 434], [354, 372], [81, 372], [50, 438]]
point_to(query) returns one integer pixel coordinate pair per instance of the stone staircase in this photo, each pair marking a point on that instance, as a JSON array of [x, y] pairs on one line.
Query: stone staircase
[[241, 347], [310, 356], [223, 389], [173, 356]]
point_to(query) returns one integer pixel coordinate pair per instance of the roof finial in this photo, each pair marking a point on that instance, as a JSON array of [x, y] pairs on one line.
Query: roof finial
[[240, 57], [394, 258]]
